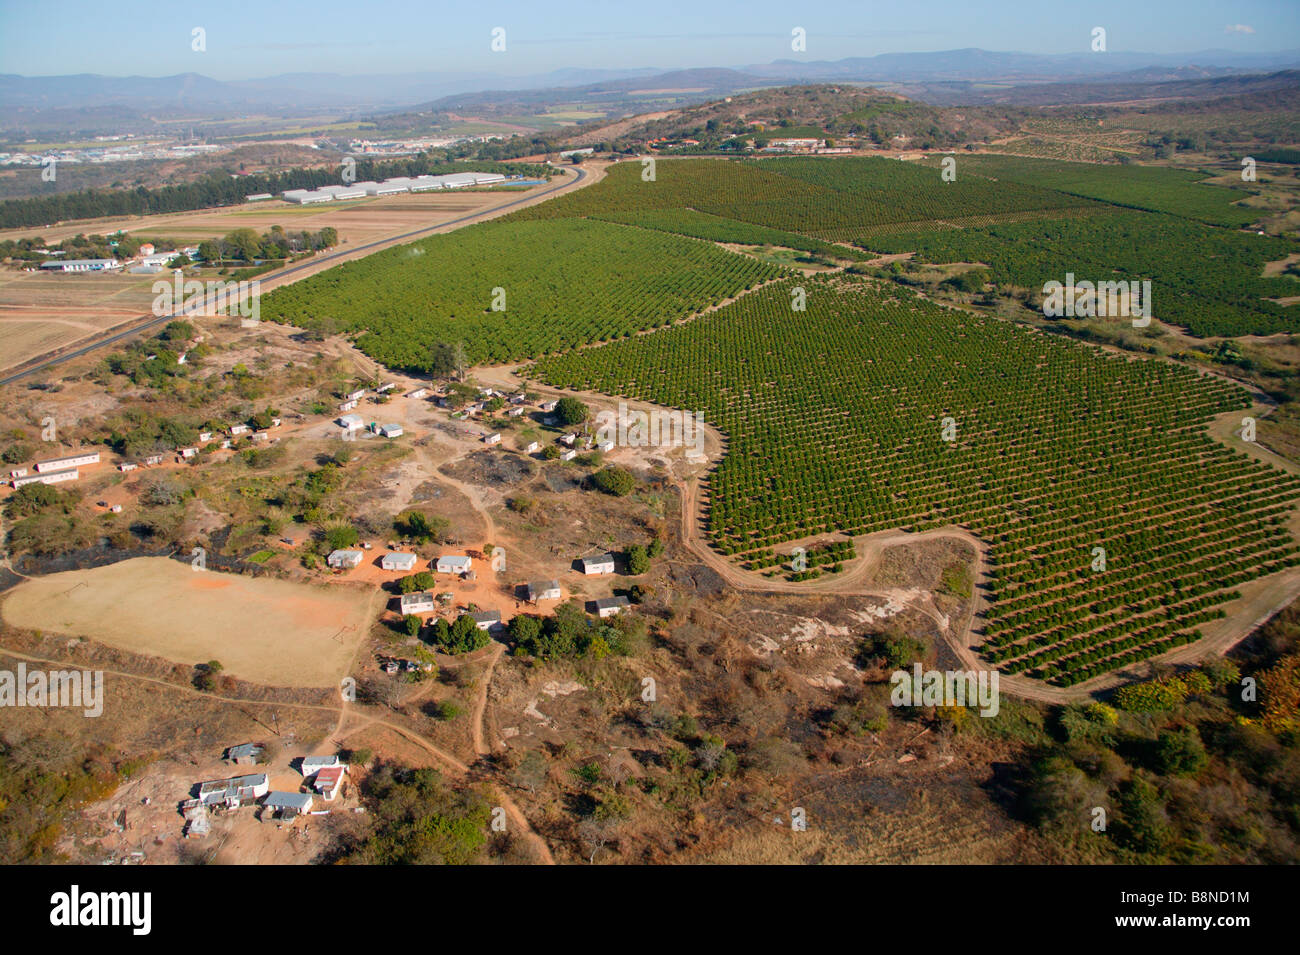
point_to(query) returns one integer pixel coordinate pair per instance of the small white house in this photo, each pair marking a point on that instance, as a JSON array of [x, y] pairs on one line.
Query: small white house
[[311, 765], [548, 405], [124, 466], [486, 619], [494, 438], [329, 781], [288, 805], [533, 448], [568, 455], [345, 559], [418, 393], [347, 405], [453, 564], [544, 590], [355, 395], [568, 438], [205, 435], [420, 602], [153, 459], [238, 429], [611, 606], [606, 446], [398, 561], [188, 452], [600, 564], [391, 430], [350, 422]]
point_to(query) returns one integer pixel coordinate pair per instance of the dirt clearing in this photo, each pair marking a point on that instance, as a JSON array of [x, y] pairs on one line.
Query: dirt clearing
[[265, 631]]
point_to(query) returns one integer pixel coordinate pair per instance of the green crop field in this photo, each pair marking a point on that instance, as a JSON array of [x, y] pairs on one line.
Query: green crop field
[[1206, 279], [835, 418], [702, 225], [1180, 192], [835, 200], [565, 284]]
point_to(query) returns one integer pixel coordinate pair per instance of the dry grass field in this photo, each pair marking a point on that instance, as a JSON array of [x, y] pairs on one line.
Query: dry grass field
[[363, 220], [266, 631]]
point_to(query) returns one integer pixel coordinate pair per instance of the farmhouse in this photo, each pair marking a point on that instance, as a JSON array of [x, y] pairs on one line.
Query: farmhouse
[[329, 782], [234, 792], [609, 606], [532, 448], [544, 590], [494, 438], [453, 564], [311, 765], [419, 602], [71, 461], [398, 561], [568, 455], [548, 405], [486, 619], [350, 422], [346, 559], [288, 805], [347, 405], [600, 564], [390, 430]]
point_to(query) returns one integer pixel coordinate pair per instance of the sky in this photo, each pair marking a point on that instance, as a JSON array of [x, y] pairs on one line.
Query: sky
[[268, 37]]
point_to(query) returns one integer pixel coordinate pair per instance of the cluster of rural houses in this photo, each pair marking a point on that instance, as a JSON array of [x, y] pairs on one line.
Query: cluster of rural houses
[[322, 778], [147, 260]]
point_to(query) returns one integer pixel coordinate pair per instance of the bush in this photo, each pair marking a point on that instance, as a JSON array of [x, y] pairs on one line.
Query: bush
[[638, 561], [341, 537], [614, 480], [414, 583]]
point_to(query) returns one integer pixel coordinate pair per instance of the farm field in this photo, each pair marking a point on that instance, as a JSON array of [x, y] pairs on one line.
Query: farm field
[[47, 312], [1180, 192], [1205, 279], [263, 630], [1058, 449], [359, 221], [833, 200], [563, 283]]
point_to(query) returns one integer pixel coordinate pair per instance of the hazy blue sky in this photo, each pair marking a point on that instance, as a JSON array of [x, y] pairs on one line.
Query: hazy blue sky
[[247, 39]]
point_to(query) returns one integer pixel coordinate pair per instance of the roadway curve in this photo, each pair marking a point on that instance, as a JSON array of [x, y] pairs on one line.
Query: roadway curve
[[50, 359]]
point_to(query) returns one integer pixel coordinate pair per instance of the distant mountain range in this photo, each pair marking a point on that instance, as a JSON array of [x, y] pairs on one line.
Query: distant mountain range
[[295, 92]]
